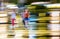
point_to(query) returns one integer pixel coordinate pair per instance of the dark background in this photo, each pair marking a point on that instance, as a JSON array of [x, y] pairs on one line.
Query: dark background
[[30, 1]]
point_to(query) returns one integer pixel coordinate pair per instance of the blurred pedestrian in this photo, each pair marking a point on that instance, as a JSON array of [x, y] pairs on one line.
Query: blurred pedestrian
[[2, 6], [13, 16], [25, 16]]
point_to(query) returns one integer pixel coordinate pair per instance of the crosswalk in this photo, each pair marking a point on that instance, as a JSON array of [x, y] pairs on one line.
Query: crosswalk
[[44, 29]]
